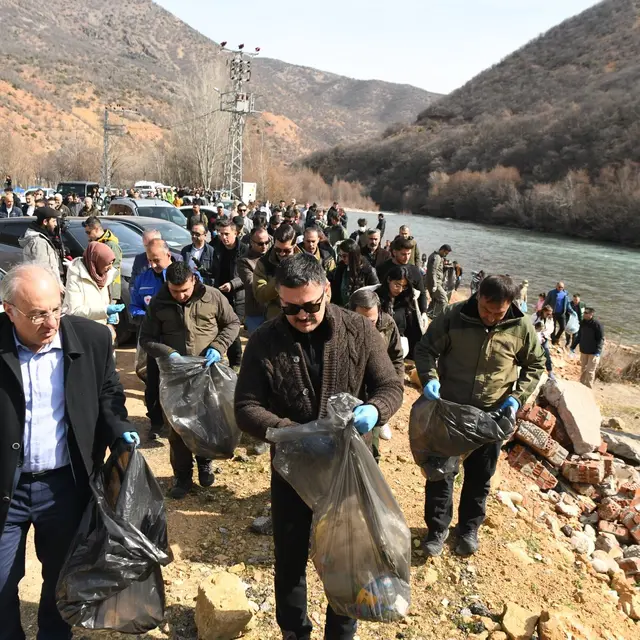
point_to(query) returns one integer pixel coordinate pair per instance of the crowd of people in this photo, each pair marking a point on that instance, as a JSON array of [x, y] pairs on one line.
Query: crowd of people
[[326, 312]]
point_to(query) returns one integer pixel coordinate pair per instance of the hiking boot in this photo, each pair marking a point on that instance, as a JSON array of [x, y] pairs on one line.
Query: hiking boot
[[434, 544], [154, 432], [467, 543], [205, 475], [180, 488]]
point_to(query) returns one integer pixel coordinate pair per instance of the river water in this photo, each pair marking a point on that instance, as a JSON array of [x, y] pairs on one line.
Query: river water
[[605, 275]]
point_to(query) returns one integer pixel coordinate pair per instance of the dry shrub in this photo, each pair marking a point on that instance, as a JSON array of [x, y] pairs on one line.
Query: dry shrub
[[619, 364], [631, 372]]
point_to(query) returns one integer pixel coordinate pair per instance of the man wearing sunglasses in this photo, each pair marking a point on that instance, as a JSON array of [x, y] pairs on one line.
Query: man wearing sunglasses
[[264, 278], [292, 365], [62, 404], [200, 253], [259, 245]]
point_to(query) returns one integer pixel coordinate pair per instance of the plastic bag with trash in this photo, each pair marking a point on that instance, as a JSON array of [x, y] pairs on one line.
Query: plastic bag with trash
[[360, 542], [198, 403], [440, 431], [140, 363], [573, 323], [112, 577]]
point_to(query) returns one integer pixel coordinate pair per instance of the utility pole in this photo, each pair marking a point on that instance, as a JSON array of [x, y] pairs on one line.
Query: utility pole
[[111, 130], [239, 104]]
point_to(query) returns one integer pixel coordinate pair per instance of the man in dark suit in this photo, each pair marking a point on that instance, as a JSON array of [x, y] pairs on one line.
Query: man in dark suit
[[200, 253], [62, 405], [227, 251]]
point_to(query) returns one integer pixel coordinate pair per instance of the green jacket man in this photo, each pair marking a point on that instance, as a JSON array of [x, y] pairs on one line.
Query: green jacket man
[[482, 352]]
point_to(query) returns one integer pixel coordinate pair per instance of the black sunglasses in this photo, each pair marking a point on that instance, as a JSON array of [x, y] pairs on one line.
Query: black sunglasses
[[308, 307], [262, 244]]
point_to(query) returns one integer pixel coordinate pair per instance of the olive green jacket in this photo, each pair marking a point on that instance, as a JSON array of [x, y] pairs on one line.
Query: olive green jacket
[[478, 365], [264, 283], [206, 320]]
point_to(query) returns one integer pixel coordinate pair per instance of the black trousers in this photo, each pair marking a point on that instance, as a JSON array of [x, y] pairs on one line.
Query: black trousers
[[234, 353], [291, 531], [152, 394], [181, 458], [51, 503], [560, 322], [479, 468]]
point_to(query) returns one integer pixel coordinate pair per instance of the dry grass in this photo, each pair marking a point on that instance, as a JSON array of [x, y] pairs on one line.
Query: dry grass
[[619, 364]]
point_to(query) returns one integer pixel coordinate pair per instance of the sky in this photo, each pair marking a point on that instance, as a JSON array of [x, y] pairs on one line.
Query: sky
[[434, 44]]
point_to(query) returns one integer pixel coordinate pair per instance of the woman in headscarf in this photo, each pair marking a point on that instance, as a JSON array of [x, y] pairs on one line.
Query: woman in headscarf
[[87, 289], [352, 273]]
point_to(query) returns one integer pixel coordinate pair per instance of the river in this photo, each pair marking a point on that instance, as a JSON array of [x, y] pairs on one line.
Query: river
[[603, 274]]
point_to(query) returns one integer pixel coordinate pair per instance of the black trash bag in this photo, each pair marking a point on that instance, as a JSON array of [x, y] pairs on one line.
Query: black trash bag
[[442, 429], [360, 542], [112, 577], [198, 403], [140, 363], [438, 468]]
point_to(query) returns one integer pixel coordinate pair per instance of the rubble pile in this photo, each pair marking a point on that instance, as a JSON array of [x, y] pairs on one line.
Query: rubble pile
[[558, 445]]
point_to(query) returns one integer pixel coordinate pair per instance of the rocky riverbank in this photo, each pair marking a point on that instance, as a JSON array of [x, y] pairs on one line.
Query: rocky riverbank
[[523, 568]]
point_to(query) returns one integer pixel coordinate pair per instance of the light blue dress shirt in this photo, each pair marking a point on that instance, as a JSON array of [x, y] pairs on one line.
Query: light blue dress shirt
[[45, 437]]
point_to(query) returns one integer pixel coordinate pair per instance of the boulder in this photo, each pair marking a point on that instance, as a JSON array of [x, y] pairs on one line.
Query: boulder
[[560, 625], [613, 423], [579, 412], [222, 607], [625, 445], [518, 623]]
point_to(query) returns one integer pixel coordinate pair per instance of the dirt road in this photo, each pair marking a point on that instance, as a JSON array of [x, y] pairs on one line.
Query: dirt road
[[209, 531]]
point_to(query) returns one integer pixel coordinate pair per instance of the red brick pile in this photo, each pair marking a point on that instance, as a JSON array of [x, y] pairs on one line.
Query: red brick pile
[[602, 489]]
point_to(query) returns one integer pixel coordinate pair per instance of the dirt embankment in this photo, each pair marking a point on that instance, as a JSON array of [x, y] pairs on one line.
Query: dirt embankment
[[519, 560]]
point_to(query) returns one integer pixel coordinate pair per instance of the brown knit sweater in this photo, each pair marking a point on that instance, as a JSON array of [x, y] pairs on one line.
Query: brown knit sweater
[[274, 388]]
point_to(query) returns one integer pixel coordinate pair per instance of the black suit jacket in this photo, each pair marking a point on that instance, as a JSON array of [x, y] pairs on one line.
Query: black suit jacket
[[204, 265], [95, 402], [236, 298]]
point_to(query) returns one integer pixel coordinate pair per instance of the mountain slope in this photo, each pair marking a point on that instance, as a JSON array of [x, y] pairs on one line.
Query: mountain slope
[[62, 60], [566, 101]]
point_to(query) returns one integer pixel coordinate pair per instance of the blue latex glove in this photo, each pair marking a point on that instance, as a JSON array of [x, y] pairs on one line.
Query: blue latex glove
[[431, 390], [211, 356], [131, 437], [174, 355], [112, 319], [114, 308], [596, 355], [510, 403], [365, 417]]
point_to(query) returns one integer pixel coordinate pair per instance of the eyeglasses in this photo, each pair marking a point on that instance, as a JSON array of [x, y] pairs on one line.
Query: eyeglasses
[[242, 210], [262, 244], [197, 235], [283, 252], [308, 307], [41, 318]]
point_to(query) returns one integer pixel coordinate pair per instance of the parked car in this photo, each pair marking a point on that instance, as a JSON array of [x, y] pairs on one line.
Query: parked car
[[75, 240], [83, 189], [187, 210], [2, 275], [176, 237], [147, 207]]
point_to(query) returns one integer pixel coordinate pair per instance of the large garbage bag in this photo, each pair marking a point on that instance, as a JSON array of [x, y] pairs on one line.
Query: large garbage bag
[[140, 363], [360, 542], [573, 323], [440, 431], [112, 576], [198, 403]]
